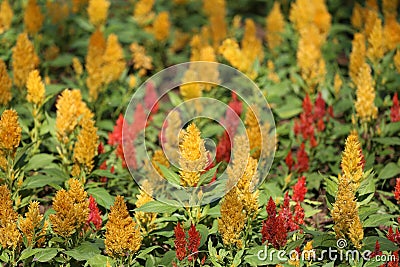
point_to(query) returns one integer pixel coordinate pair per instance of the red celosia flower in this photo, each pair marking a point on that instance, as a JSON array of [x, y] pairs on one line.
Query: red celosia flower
[[313, 141], [299, 189], [180, 242], [302, 159], [115, 137], [362, 161], [298, 217], [319, 108], [286, 214], [390, 234], [100, 148], [223, 150], [397, 190], [395, 109], [394, 237], [377, 251], [321, 124], [273, 229], [307, 106], [395, 262], [94, 214], [289, 160], [232, 114], [194, 242], [330, 112]]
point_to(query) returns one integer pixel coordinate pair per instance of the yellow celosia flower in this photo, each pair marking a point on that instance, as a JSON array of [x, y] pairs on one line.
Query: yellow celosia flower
[[33, 17], [72, 209], [370, 16], [159, 158], [390, 32], [78, 4], [376, 43], [141, 61], [253, 132], [77, 66], [145, 219], [171, 135], [10, 237], [365, 106], [251, 45], [10, 131], [275, 25], [6, 15], [191, 89], [94, 61], [396, 60], [357, 55], [57, 11], [389, 8], [351, 160], [161, 26], [132, 81], [71, 110], [232, 220], [5, 85], [357, 18], [35, 87], [372, 4], [113, 60], [272, 75], [216, 13], [142, 10], [24, 59], [31, 225], [230, 51], [97, 11], [85, 148], [180, 40], [337, 84], [122, 234], [308, 251], [51, 52], [192, 156]]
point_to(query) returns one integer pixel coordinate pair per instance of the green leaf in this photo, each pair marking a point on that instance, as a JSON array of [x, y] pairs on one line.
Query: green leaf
[[39, 161], [175, 99], [144, 252], [167, 259], [171, 176], [99, 261], [376, 220], [62, 60], [390, 141], [389, 171], [45, 254], [103, 173], [287, 111], [207, 177], [4, 257], [39, 181], [157, 207], [238, 258], [27, 253], [103, 198], [85, 251], [203, 230], [386, 245]]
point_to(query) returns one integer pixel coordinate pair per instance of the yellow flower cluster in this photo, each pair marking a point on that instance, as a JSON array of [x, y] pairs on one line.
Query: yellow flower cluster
[[10, 237], [396, 60], [215, 9], [77, 66], [24, 60], [253, 131], [85, 148], [275, 25], [357, 17], [192, 156], [365, 106], [71, 112], [35, 87], [97, 11], [159, 158], [161, 26], [10, 131], [232, 221], [390, 30], [6, 15], [122, 234], [104, 62], [313, 21], [143, 11], [72, 209], [33, 17], [5, 85], [57, 11], [251, 44], [78, 4], [376, 43], [31, 225], [345, 211], [171, 135], [145, 219], [337, 84], [141, 61], [357, 55]]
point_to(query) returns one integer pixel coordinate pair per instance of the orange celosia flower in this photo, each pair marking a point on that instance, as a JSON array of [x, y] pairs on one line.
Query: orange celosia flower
[[97, 11], [71, 111], [57, 11], [275, 25], [390, 32], [376, 43], [6, 15], [141, 61], [113, 60], [10, 131], [365, 106], [357, 17], [85, 148], [389, 8], [337, 84], [72, 209], [122, 235], [161, 26], [78, 4], [217, 14], [35, 87], [24, 59], [251, 45], [357, 56], [31, 225], [33, 17], [5, 85], [10, 237], [77, 66], [142, 10], [370, 16]]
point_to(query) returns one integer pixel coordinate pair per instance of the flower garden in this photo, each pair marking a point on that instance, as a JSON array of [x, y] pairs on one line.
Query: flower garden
[[106, 162]]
